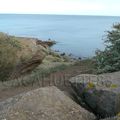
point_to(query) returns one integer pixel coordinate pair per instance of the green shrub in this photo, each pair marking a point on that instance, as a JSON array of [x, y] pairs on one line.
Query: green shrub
[[109, 59], [8, 55]]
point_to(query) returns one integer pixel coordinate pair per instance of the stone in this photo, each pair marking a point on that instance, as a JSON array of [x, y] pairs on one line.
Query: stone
[[47, 103], [112, 118], [99, 93], [28, 66]]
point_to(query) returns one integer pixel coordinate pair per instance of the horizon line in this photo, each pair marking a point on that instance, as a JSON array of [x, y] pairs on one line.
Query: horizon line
[[61, 14]]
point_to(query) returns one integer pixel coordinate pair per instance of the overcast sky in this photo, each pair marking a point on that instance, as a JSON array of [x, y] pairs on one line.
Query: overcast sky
[[74, 7]]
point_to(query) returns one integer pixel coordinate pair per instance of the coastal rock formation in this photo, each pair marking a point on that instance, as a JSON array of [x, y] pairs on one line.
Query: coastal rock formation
[[45, 44], [19, 55], [28, 66], [22, 54], [43, 104], [101, 94]]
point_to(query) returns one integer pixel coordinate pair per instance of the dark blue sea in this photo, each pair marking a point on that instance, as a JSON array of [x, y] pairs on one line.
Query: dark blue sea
[[79, 35]]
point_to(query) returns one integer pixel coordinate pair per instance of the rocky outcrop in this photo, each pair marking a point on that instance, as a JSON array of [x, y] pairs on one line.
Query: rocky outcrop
[[43, 104], [19, 55], [28, 66], [101, 94], [45, 44]]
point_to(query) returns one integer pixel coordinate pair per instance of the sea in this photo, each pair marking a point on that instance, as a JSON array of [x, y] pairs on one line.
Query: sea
[[77, 35]]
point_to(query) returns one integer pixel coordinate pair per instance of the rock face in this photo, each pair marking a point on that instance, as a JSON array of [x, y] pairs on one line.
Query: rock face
[[28, 65], [101, 94], [43, 104]]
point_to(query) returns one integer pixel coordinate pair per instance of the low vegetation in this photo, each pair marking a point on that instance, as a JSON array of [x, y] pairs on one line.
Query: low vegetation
[[87, 66], [8, 54]]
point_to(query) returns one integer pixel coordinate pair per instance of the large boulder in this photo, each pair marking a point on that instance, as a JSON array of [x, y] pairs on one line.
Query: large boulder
[[98, 93], [43, 104], [27, 66]]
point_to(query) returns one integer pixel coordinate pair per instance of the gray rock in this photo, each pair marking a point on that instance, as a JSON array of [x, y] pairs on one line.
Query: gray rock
[[112, 118], [101, 94], [43, 104]]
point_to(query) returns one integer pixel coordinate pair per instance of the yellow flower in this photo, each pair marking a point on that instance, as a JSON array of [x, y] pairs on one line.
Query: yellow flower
[[118, 114], [113, 86], [90, 85]]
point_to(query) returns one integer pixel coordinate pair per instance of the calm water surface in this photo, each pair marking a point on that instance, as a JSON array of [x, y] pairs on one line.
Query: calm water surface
[[79, 35]]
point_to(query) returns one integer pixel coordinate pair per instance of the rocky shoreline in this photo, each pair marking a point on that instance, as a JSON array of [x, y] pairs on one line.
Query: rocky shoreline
[[81, 96]]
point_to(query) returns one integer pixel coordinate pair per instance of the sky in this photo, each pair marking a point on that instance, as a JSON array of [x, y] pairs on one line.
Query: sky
[[66, 7]]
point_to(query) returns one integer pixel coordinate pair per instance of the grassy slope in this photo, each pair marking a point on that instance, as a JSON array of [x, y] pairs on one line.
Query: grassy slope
[[17, 50]]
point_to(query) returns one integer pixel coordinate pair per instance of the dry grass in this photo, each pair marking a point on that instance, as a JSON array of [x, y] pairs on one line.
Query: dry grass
[[9, 47], [15, 51]]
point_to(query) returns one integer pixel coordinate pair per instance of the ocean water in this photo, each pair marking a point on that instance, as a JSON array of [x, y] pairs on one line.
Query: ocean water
[[79, 35]]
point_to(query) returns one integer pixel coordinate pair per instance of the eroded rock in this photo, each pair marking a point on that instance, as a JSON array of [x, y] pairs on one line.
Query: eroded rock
[[28, 66]]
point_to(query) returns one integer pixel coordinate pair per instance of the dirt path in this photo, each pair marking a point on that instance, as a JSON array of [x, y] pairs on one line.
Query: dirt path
[[59, 79]]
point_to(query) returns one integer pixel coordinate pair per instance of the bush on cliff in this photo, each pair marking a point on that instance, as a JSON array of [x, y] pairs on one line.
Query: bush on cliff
[[8, 55], [109, 59]]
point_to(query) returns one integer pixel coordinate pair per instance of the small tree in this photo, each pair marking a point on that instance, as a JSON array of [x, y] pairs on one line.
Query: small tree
[[109, 59]]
